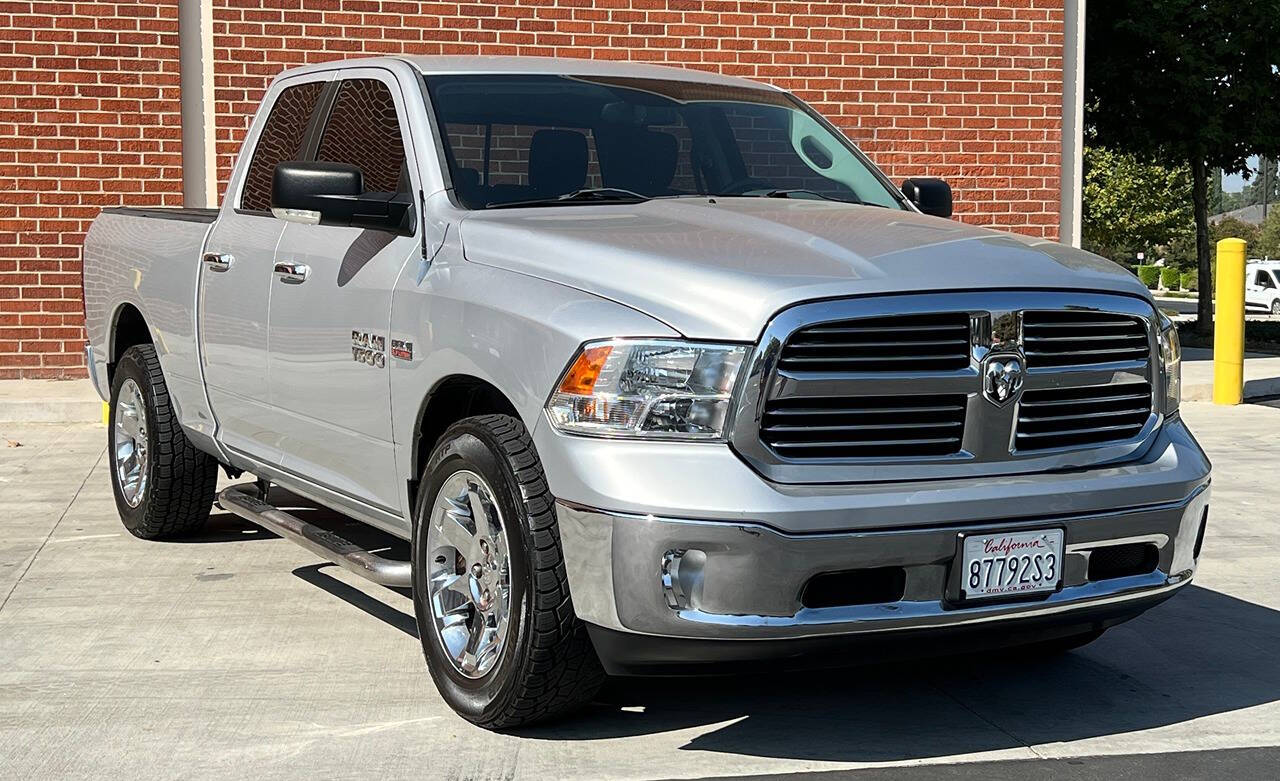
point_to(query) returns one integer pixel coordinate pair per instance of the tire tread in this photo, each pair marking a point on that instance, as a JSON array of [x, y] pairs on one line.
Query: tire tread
[[181, 486], [563, 672]]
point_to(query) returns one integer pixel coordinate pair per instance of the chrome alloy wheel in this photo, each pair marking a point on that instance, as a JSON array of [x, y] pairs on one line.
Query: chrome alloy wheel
[[469, 574], [129, 443]]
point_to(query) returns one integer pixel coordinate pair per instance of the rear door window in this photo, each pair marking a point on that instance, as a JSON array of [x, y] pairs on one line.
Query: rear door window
[[281, 140], [363, 130]]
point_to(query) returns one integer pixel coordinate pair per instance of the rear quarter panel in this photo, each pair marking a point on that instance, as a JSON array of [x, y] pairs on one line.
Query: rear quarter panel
[[152, 264]]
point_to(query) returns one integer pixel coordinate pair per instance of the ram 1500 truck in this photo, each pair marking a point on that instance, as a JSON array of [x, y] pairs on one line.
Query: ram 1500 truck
[[654, 371]]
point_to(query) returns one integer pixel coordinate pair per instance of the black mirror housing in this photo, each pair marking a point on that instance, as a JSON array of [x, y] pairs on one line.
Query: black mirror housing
[[931, 196], [319, 193]]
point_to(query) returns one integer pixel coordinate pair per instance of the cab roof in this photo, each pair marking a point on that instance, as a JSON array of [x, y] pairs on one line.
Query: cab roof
[[547, 66]]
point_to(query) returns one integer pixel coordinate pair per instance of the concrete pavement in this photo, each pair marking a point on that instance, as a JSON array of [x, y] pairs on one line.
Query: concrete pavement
[[239, 654], [1261, 374]]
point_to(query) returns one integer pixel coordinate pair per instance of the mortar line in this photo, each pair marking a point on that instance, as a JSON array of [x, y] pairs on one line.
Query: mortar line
[[52, 529]]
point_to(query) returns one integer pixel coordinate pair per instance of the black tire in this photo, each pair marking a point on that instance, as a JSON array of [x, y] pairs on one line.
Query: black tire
[[547, 666], [180, 479], [1275, 307]]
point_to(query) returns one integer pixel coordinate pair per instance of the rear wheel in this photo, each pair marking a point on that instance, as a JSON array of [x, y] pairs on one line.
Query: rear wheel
[[1275, 307], [163, 485], [498, 628]]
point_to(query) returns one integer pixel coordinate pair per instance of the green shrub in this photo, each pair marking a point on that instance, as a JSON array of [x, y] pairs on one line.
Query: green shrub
[[1149, 276], [1169, 278], [1190, 280]]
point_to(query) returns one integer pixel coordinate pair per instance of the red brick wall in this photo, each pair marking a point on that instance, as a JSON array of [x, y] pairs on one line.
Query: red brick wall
[[965, 89], [88, 118]]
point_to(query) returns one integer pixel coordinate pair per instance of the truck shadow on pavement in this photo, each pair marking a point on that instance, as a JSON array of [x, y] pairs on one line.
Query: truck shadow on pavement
[[1199, 654]]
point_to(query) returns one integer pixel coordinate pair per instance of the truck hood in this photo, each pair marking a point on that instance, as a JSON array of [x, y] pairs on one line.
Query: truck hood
[[721, 269]]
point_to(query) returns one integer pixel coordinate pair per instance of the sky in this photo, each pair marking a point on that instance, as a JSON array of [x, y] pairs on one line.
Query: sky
[[1234, 183]]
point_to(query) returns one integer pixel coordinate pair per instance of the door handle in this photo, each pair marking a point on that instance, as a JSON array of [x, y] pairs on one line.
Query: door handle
[[293, 273], [218, 261]]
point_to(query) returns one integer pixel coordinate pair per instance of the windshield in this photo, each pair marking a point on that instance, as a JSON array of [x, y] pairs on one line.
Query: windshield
[[519, 141]]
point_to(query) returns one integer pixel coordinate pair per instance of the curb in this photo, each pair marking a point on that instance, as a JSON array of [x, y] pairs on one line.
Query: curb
[[49, 401], [1253, 389]]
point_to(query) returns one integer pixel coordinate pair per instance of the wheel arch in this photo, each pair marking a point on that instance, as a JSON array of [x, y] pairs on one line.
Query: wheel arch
[[453, 398], [128, 329]]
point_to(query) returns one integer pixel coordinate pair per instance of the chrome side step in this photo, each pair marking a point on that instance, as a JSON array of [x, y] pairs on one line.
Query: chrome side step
[[240, 500]]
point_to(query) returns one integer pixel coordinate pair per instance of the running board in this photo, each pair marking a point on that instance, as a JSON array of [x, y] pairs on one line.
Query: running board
[[389, 572]]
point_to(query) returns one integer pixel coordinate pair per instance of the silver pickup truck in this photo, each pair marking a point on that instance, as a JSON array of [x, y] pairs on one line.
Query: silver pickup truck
[[655, 372]]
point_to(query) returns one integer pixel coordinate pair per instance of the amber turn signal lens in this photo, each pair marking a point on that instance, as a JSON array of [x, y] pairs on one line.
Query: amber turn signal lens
[[581, 377]]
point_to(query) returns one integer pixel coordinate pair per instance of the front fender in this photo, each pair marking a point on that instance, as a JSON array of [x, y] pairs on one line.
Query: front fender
[[513, 331]]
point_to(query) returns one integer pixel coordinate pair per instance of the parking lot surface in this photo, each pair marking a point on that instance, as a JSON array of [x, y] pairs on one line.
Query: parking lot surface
[[240, 654]]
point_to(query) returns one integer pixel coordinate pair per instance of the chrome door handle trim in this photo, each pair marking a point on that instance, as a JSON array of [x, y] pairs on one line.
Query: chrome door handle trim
[[218, 261], [293, 273]]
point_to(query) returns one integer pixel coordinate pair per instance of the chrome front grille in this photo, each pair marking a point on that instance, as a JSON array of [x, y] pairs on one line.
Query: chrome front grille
[[949, 385], [1074, 337], [861, 426], [924, 342], [1073, 417]]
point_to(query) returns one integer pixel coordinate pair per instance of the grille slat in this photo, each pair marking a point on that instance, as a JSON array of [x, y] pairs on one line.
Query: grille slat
[[924, 343], [1060, 402], [1082, 338], [1050, 418], [860, 427], [1085, 415], [861, 410], [952, 343], [880, 329], [864, 426]]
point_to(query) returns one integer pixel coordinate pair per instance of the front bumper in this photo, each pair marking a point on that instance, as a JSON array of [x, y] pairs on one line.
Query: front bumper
[[757, 544]]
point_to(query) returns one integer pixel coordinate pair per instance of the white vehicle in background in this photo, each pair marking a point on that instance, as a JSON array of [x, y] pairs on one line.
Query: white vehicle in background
[[1262, 285]]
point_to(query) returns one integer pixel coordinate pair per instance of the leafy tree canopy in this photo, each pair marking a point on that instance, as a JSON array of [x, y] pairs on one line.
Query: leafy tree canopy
[[1178, 80], [1132, 205], [1193, 82]]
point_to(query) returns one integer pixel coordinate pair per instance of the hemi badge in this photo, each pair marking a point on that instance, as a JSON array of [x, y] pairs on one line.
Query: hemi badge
[[402, 350]]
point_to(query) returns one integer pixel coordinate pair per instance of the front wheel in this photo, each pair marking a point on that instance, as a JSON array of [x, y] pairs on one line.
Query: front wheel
[[1275, 307], [490, 593], [163, 485]]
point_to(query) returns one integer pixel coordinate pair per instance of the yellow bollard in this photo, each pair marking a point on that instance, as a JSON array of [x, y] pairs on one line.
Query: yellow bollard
[[1228, 324]]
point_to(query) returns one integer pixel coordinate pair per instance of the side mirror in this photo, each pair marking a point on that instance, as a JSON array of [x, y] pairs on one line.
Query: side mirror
[[317, 193], [931, 196]]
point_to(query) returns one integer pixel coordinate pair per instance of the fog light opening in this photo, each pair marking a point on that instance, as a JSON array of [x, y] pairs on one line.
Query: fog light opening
[[682, 577], [855, 587], [1122, 561]]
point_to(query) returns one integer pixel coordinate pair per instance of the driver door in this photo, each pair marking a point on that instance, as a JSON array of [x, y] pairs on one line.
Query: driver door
[[331, 307]]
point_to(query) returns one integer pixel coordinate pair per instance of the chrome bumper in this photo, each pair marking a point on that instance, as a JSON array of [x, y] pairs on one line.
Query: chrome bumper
[[746, 579]]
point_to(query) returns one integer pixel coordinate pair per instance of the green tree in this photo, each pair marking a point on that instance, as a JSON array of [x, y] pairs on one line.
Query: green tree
[[1216, 195], [1191, 82], [1268, 241], [1132, 205], [1234, 228]]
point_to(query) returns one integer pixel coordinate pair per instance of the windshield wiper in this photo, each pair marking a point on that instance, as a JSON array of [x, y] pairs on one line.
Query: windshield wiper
[[791, 192], [587, 195]]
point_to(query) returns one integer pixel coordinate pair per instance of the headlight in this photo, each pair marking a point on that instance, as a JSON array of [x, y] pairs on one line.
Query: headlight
[[660, 389], [1170, 364]]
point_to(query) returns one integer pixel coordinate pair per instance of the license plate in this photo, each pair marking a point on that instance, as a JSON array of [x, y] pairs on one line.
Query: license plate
[[1014, 564]]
